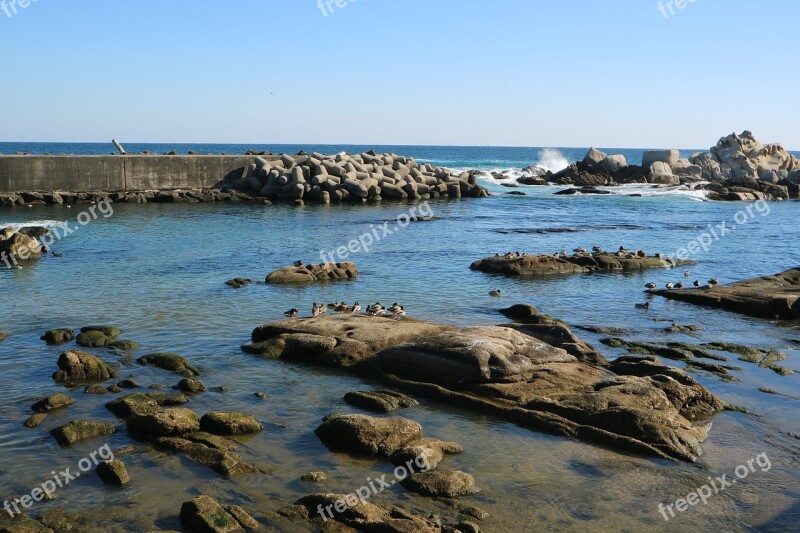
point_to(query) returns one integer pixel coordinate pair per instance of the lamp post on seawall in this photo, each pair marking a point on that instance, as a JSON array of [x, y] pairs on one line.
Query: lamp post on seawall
[[118, 146]]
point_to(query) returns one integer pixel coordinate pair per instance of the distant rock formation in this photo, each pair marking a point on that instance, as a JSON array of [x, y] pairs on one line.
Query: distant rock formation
[[737, 168]]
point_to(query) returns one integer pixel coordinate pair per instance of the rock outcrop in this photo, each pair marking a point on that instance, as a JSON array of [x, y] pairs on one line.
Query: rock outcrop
[[548, 265], [738, 167], [774, 297], [507, 373], [76, 365], [312, 273], [16, 246]]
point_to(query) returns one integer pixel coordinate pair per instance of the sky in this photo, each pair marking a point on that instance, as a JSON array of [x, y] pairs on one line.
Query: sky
[[615, 73]]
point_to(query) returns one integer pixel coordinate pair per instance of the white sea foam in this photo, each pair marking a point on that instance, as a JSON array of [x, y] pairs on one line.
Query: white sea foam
[[39, 223]]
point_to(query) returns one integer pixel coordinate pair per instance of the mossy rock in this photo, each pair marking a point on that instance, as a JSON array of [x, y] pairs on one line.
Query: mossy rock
[[113, 472], [108, 331], [58, 336], [229, 423], [76, 365], [92, 339], [125, 346], [35, 421], [132, 405], [77, 431], [51, 403], [166, 399], [192, 386], [170, 362]]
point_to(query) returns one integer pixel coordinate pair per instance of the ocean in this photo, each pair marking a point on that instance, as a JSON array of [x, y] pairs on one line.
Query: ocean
[[158, 272]]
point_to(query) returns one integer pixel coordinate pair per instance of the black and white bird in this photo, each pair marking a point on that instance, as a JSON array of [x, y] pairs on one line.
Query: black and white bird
[[291, 313]]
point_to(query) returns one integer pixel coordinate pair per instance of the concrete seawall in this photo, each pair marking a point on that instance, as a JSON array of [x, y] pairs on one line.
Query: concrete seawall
[[118, 172]]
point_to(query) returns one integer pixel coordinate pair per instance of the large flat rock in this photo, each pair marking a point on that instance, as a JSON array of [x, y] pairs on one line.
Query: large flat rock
[[548, 265], [775, 297], [644, 407]]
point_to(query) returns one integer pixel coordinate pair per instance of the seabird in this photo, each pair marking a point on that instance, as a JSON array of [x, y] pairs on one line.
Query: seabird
[[341, 308], [679, 285], [713, 282], [56, 254], [395, 308], [643, 306], [356, 307], [651, 286], [298, 263], [670, 286], [323, 309], [291, 313], [697, 283], [315, 310], [496, 293], [399, 313], [580, 250], [687, 274]]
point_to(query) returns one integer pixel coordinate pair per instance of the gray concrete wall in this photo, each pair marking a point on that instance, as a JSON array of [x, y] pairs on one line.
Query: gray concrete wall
[[116, 172]]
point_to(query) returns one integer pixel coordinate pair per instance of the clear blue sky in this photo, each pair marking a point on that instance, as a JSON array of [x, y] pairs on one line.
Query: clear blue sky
[[490, 72]]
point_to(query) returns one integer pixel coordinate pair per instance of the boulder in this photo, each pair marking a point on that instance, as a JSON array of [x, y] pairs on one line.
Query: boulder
[[383, 401], [229, 423], [424, 454], [170, 422], [34, 421], [165, 399], [108, 331], [205, 515], [668, 157], [92, 339], [191, 386], [314, 273], [594, 158], [113, 472], [81, 430], [133, 405], [18, 246], [614, 163], [366, 434], [58, 336], [548, 265], [212, 452], [76, 365], [51, 403], [171, 363]]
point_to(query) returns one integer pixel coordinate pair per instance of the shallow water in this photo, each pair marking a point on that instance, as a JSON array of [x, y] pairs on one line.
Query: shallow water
[[157, 272]]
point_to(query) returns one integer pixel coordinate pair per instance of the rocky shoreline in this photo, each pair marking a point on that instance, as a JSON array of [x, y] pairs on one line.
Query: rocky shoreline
[[737, 168]]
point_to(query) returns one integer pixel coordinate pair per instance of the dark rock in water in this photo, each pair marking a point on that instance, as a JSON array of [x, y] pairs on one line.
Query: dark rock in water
[[261, 396], [520, 312], [774, 297], [123, 345], [114, 389], [314, 477], [58, 336], [192, 386], [545, 265], [51, 403], [59, 521], [128, 384], [583, 190], [517, 193], [108, 331], [205, 515], [424, 454], [440, 484], [750, 355], [172, 422], [95, 389], [314, 273], [80, 430], [366, 434], [35, 421], [502, 372], [3, 336], [383, 401], [361, 515], [228, 423], [133, 405], [605, 330], [238, 283], [92, 339], [165, 399], [76, 365], [113, 473], [677, 328], [170, 362], [19, 246], [209, 453]]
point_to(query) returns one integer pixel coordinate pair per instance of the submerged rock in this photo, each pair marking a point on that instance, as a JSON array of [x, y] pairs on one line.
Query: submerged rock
[[205, 515], [92, 339], [170, 362], [113, 472], [238, 283], [35, 421], [504, 372], [424, 454], [365, 516], [215, 453], [383, 401], [191, 386], [170, 422], [108, 331], [76, 365], [312, 273], [366, 434], [441, 484], [81, 430], [132, 405]]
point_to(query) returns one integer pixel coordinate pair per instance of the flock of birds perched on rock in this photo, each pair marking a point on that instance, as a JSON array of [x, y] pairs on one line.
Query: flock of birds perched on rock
[[376, 309], [713, 282], [583, 252]]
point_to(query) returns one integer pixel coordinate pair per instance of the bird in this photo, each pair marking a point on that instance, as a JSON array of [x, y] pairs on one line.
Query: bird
[[641, 253], [496, 293], [356, 308], [643, 306], [395, 308], [399, 313], [580, 250], [713, 282], [315, 310], [291, 313], [597, 249], [670, 286], [342, 307], [622, 249], [298, 263], [687, 274], [376, 309], [56, 254], [697, 283], [680, 285], [323, 309], [651, 286]]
